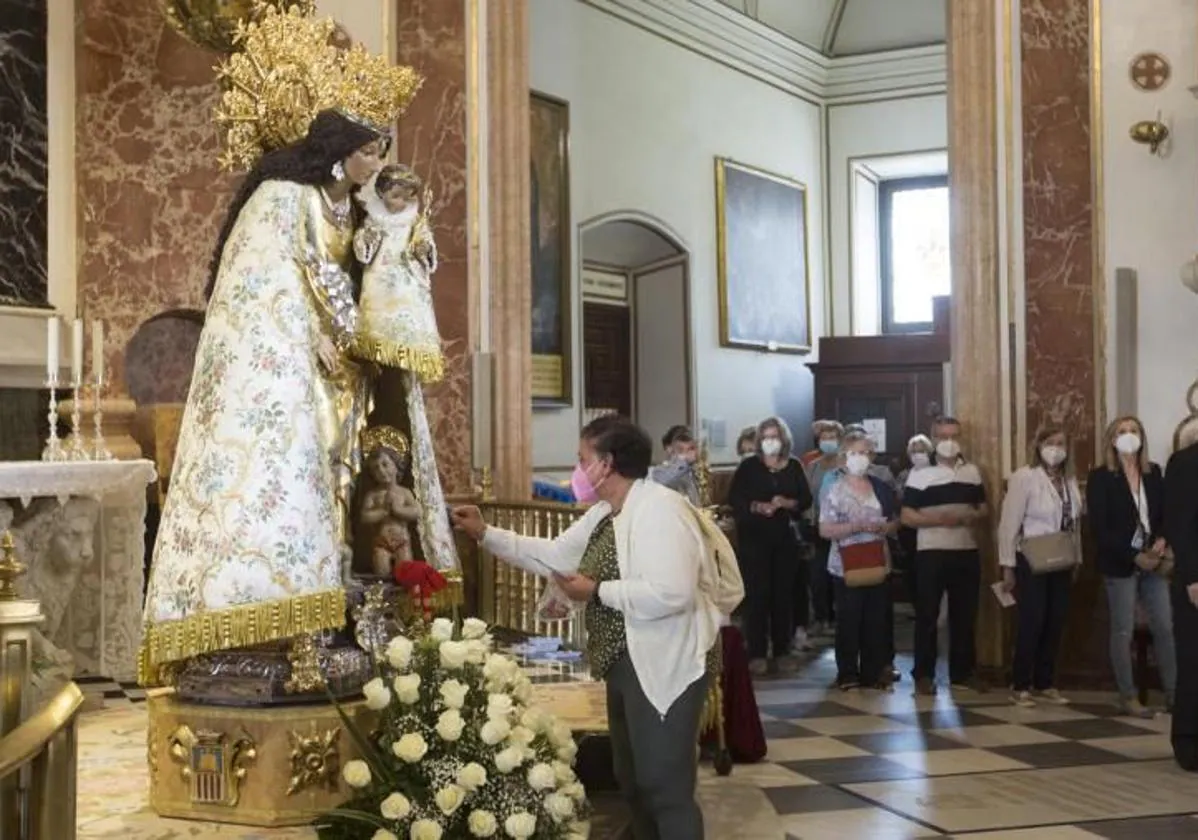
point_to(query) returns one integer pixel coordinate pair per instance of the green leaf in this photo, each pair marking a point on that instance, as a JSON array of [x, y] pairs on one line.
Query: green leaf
[[370, 755], [358, 816]]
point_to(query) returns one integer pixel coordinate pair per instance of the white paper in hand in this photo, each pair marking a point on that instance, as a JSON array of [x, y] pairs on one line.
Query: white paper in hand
[[1005, 598]]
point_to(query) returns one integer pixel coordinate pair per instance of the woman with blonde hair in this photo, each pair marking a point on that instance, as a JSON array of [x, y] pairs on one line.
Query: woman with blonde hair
[[1125, 497], [1037, 548], [769, 494]]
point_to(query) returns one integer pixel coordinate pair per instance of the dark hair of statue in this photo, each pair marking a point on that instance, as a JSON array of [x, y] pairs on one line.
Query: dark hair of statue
[[331, 138], [627, 444]]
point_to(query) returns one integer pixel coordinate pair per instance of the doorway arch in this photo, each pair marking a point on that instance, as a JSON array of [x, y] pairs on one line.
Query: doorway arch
[[643, 257]]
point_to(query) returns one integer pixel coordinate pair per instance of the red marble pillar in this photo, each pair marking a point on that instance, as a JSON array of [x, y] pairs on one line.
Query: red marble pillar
[[432, 138], [1058, 224], [150, 193]]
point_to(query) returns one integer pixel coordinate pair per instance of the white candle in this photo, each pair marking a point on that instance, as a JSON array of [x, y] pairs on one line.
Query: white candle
[[98, 351], [77, 352], [52, 347]]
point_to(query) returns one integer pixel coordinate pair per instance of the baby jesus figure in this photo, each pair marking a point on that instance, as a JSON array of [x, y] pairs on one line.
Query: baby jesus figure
[[397, 326]]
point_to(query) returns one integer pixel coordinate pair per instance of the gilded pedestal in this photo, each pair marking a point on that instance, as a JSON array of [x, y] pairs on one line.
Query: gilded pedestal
[[265, 767]]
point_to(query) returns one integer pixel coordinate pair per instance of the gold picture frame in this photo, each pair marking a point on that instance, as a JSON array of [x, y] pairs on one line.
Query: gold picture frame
[[765, 292], [552, 266]]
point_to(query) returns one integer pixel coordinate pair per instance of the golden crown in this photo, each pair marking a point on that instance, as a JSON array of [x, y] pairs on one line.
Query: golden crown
[[387, 436], [286, 70]]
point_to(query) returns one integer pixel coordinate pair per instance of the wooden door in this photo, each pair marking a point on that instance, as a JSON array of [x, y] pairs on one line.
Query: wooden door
[[607, 358]]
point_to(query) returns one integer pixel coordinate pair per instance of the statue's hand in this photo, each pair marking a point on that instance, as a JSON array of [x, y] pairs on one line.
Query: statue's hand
[[326, 354]]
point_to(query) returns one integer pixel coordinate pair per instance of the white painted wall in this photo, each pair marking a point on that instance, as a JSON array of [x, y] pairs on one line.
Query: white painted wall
[[647, 120], [1151, 204], [659, 321], [870, 130]]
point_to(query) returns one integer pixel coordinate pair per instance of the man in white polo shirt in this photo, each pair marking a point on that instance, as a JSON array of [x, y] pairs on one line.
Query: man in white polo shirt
[[943, 503]]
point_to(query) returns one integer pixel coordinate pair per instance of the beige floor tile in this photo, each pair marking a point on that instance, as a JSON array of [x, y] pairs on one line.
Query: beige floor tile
[[1037, 714], [1056, 832], [1139, 747], [872, 823], [853, 725], [952, 762], [763, 775], [997, 735], [809, 749]]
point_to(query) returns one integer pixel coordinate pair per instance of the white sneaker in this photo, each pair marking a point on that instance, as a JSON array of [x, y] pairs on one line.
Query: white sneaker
[[801, 641], [1023, 699], [1052, 697]]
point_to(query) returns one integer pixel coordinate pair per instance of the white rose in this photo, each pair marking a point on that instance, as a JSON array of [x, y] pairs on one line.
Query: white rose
[[522, 735], [483, 824], [356, 773], [453, 655], [575, 791], [541, 777], [449, 799], [499, 706], [560, 734], [425, 830], [411, 747], [520, 825], [395, 807], [498, 668], [453, 693], [383, 834], [450, 725], [579, 831], [476, 651], [474, 628], [560, 807], [568, 752], [494, 731], [509, 759], [407, 688], [522, 688], [399, 652], [472, 777], [442, 630], [378, 696], [534, 719], [564, 773]]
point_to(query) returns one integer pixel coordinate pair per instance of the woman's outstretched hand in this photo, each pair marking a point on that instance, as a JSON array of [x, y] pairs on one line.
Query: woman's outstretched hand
[[469, 520]]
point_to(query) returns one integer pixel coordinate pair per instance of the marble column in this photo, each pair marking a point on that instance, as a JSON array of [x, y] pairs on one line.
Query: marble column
[[509, 292], [468, 135], [976, 312], [24, 144]]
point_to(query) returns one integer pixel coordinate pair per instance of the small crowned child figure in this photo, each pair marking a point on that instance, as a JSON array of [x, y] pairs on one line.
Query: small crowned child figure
[[397, 326], [388, 508]]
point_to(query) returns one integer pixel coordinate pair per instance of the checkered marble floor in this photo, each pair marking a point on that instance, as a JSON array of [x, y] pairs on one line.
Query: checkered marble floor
[[884, 767]]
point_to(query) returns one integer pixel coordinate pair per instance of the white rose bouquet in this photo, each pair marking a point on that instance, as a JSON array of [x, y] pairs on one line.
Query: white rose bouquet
[[458, 752]]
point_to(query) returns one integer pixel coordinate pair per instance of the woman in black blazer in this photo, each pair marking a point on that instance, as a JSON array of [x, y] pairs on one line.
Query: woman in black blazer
[[1125, 500]]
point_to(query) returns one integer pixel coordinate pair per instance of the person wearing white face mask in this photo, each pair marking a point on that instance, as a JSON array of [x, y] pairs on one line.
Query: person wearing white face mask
[[857, 514], [920, 452], [1125, 498], [943, 503], [1039, 554], [768, 495], [826, 460]]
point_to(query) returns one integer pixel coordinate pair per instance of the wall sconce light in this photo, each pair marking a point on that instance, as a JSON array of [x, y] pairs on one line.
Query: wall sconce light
[[1151, 133]]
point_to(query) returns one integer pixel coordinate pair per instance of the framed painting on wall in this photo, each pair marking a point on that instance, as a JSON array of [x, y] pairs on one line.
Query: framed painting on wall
[[761, 240], [552, 372]]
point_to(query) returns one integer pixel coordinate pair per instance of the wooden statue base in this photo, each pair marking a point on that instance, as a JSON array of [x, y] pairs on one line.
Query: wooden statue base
[[268, 767]]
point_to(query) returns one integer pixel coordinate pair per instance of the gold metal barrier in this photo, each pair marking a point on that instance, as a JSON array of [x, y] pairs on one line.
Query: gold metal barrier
[[508, 596], [45, 744]]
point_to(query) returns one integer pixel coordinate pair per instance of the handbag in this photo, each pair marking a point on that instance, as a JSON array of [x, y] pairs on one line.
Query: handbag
[[864, 563], [1146, 561], [1050, 553]]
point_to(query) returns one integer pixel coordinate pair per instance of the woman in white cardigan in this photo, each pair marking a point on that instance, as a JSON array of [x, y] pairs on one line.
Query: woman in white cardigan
[[1042, 499], [635, 559]]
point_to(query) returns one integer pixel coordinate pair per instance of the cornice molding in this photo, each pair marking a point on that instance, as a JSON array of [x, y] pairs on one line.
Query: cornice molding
[[724, 35]]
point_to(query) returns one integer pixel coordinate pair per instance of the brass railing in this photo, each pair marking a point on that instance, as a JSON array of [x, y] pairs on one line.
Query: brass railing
[[45, 744], [508, 596]]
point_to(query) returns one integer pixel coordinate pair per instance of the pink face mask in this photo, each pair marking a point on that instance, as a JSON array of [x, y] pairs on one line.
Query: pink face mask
[[580, 483]]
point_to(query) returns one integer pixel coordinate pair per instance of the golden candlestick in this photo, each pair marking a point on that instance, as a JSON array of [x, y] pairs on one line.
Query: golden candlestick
[[10, 569]]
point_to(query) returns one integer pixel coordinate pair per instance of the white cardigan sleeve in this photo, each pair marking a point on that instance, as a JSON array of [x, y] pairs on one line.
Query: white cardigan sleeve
[[1014, 508], [541, 556], [665, 547]]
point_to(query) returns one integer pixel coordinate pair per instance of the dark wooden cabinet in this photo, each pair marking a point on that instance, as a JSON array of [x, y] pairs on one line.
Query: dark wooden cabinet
[[898, 378]]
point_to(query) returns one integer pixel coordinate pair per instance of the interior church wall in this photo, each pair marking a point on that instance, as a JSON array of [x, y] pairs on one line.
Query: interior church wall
[[868, 130], [1151, 204], [647, 120]]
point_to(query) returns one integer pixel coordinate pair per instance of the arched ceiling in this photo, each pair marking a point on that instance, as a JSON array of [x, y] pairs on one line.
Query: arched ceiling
[[851, 27]]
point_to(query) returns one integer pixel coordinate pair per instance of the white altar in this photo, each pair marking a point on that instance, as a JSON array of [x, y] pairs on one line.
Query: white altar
[[80, 528]]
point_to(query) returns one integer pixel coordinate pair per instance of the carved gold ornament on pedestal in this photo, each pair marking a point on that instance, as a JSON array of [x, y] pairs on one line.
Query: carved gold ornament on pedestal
[[315, 760], [213, 767]]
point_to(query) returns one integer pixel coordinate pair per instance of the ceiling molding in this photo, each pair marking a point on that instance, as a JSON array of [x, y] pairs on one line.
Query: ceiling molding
[[834, 19], [724, 35]]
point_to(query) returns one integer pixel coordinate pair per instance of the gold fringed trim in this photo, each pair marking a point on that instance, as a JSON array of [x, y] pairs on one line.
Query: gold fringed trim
[[428, 365], [237, 627]]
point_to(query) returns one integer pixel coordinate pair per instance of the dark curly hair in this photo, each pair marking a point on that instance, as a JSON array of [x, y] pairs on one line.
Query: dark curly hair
[[331, 138], [630, 448]]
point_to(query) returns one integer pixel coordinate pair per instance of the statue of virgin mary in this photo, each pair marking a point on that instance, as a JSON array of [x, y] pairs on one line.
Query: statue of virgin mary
[[253, 536]]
